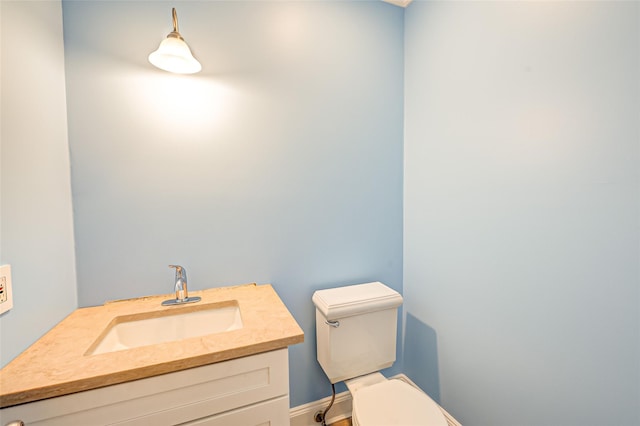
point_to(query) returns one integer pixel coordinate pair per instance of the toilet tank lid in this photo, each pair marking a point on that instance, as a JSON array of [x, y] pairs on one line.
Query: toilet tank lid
[[342, 302]]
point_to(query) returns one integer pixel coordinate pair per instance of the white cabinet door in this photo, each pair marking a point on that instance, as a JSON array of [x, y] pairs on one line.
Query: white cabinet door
[[166, 400]]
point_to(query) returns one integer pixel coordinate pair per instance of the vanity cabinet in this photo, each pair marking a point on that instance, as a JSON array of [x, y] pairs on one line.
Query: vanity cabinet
[[248, 391]]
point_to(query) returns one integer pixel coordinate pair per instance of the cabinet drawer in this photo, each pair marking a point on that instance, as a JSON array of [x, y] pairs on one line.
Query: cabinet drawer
[[167, 399]]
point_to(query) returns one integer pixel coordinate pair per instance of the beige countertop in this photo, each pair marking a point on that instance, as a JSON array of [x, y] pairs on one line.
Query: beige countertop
[[58, 364]]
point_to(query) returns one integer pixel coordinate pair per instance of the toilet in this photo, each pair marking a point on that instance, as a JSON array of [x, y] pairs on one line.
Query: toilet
[[356, 338]]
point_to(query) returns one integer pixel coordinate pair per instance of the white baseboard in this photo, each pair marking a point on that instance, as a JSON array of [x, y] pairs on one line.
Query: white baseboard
[[304, 415]]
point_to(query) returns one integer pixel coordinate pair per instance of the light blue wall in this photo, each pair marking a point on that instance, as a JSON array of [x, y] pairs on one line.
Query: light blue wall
[[522, 210], [280, 163], [36, 223]]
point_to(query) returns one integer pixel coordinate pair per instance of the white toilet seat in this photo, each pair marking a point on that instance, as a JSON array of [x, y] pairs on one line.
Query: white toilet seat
[[397, 403]]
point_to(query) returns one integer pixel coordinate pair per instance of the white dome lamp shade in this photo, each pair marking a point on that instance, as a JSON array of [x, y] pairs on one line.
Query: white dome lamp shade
[[174, 54]]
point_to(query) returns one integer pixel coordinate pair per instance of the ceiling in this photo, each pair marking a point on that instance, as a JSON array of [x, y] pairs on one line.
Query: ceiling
[[401, 3]]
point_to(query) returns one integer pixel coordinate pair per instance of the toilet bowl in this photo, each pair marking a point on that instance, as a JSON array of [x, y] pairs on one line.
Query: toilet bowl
[[378, 401]]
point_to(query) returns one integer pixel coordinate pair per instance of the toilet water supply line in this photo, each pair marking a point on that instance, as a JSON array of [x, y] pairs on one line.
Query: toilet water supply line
[[321, 416]]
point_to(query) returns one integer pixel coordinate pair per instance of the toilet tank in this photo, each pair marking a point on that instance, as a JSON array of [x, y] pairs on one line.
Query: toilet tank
[[356, 329]]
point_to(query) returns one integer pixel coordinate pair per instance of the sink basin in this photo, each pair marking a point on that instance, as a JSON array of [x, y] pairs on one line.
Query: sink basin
[[151, 328]]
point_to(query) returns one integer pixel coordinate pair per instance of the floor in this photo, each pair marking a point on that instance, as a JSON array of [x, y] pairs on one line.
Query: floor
[[345, 422]]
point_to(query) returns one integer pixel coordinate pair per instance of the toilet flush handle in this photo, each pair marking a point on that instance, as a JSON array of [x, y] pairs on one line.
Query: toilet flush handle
[[334, 324]]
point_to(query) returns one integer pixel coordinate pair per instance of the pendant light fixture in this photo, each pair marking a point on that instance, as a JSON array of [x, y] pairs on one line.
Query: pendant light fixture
[[174, 54]]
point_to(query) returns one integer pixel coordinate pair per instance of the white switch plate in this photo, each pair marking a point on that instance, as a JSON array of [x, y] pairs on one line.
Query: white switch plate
[[6, 293]]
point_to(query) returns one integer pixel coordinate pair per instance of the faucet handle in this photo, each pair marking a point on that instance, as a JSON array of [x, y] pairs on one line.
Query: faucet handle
[[181, 276], [180, 271]]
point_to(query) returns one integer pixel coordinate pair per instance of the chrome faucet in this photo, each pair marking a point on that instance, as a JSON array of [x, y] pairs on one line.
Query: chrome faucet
[[180, 287], [181, 283]]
